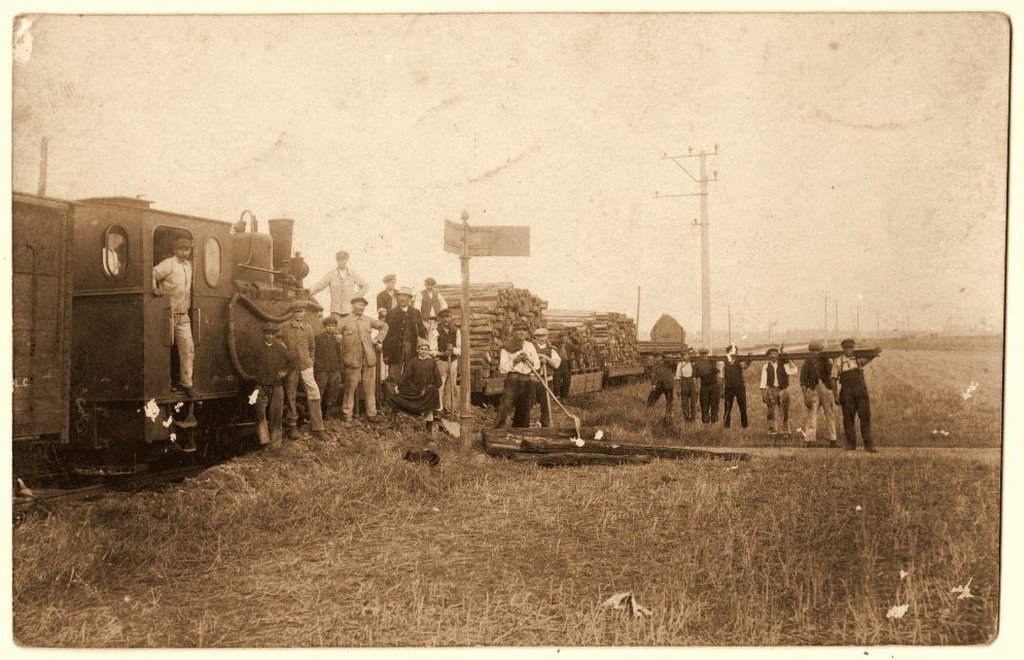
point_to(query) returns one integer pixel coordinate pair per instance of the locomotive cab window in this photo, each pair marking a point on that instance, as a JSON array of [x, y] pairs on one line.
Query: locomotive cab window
[[211, 261], [115, 251]]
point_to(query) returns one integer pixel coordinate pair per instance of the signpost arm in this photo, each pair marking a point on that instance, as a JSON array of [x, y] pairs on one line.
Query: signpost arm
[[465, 433]]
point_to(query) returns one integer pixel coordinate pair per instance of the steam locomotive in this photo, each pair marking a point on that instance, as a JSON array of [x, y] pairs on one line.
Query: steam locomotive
[[94, 361]]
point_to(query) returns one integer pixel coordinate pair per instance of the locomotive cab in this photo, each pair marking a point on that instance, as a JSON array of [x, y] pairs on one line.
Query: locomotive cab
[[124, 366]]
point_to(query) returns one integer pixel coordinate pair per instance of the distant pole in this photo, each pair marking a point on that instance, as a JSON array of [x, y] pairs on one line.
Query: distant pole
[[43, 153], [878, 323], [824, 326], [730, 323], [858, 322], [705, 258], [465, 435], [638, 312], [836, 302]]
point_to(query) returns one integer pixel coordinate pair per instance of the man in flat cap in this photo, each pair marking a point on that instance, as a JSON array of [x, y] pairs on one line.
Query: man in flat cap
[[851, 392], [405, 326], [269, 363], [344, 285], [775, 390], [300, 339], [816, 385], [388, 298], [662, 383], [687, 389], [517, 362], [706, 373], [173, 277], [359, 346], [429, 301], [550, 360], [449, 347]]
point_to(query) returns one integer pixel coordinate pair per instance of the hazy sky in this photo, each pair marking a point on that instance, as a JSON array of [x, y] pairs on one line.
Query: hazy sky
[[860, 154]]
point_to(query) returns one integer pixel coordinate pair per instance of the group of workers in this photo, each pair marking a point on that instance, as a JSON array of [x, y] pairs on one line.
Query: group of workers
[[824, 383]]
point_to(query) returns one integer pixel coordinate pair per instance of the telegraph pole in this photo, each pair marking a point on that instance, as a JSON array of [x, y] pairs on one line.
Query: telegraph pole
[[705, 258], [878, 323], [43, 153], [836, 303], [730, 323], [858, 322], [638, 313]]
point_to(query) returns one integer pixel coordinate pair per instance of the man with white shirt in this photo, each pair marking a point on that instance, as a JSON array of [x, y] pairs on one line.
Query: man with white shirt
[[775, 389], [344, 286], [429, 300], [518, 360], [549, 362], [687, 389], [173, 277], [449, 347]]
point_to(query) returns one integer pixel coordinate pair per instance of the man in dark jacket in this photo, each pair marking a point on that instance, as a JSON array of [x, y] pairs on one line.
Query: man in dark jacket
[[735, 387], [327, 367], [706, 373], [269, 363], [405, 326], [816, 384], [663, 375], [388, 298]]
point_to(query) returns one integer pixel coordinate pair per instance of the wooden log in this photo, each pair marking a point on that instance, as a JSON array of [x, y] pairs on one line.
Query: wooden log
[[553, 460], [558, 445]]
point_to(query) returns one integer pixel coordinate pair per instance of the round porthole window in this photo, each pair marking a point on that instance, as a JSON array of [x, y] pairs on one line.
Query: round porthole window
[[211, 261]]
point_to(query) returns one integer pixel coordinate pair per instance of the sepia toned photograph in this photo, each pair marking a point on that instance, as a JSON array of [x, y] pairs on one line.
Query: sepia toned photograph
[[494, 329]]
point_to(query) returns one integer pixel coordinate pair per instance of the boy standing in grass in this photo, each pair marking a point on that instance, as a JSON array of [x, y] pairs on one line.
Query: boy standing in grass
[[327, 367], [270, 362]]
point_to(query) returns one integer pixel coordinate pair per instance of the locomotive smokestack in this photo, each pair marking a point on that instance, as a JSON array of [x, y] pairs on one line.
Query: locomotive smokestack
[[281, 232]]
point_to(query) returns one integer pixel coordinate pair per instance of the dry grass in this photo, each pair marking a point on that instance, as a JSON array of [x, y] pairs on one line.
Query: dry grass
[[346, 545]]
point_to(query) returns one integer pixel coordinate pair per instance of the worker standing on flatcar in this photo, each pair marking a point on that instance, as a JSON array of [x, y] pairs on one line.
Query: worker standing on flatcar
[[429, 301], [173, 277], [687, 389], [388, 298], [851, 392], [344, 285], [550, 360], [327, 367], [517, 362], [299, 338], [270, 362]]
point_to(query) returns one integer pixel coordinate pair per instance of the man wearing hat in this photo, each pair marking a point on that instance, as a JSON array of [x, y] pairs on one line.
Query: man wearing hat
[[706, 373], [429, 300], [359, 355], [449, 347], [687, 389], [300, 339], [344, 285], [851, 392], [269, 363], [774, 390], [816, 384], [173, 277], [517, 362], [735, 390], [388, 298], [327, 367], [662, 383], [405, 326], [550, 360]]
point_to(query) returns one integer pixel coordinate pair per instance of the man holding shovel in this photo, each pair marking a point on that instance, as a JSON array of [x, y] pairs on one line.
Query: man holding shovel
[[549, 362], [518, 360]]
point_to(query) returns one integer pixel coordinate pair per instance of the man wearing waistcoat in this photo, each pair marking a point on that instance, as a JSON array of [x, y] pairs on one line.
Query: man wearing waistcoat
[[549, 362], [687, 389], [429, 301], [735, 387], [774, 390], [517, 362], [706, 373], [449, 347], [816, 383], [851, 392]]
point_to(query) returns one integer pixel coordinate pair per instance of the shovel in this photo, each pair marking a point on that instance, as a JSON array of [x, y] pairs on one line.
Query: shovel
[[543, 381]]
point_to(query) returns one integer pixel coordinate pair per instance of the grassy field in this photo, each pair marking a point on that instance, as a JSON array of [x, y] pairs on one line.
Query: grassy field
[[341, 543]]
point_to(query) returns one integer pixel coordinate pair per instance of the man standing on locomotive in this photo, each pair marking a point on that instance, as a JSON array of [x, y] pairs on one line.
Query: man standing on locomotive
[[344, 284], [298, 336], [173, 277]]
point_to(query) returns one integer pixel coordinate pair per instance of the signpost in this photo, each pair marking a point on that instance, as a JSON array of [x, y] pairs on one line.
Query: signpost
[[466, 241]]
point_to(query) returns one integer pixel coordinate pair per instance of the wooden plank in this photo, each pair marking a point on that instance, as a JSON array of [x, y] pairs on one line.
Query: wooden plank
[[558, 445]]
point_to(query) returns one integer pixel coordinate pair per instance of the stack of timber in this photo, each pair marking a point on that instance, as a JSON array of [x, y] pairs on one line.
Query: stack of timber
[[576, 326], [552, 446], [493, 308], [615, 339]]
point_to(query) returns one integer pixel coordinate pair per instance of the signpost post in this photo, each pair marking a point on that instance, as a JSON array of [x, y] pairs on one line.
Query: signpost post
[[467, 242]]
